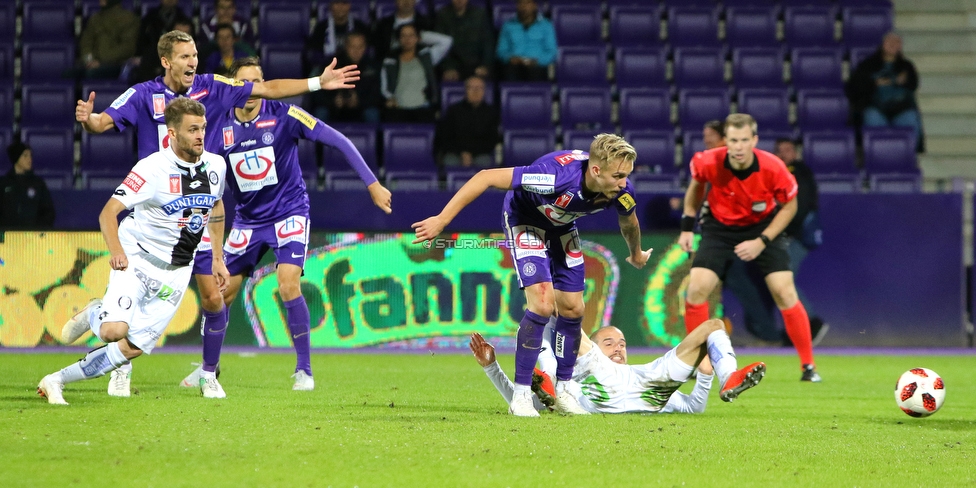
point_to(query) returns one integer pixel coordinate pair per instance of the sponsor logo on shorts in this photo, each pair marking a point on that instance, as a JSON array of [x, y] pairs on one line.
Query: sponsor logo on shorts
[[125, 303], [292, 229], [237, 241], [573, 249], [528, 241], [134, 181]]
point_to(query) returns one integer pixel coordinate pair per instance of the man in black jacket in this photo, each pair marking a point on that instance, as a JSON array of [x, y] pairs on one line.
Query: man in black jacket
[[385, 38], [359, 104], [882, 89], [468, 132], [25, 202]]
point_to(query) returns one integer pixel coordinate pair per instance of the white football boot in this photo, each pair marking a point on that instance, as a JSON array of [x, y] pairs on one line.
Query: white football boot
[[50, 387], [566, 401], [211, 388], [192, 380], [522, 405], [118, 384], [303, 382]]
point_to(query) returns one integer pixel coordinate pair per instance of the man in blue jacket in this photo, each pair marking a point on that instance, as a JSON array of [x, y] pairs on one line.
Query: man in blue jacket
[[526, 45]]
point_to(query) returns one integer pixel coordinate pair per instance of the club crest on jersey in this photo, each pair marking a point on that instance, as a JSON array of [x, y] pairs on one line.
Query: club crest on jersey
[[293, 228], [264, 124], [254, 169], [174, 184], [134, 181], [228, 137], [237, 241], [212, 176], [563, 200], [267, 138], [159, 104], [189, 201]]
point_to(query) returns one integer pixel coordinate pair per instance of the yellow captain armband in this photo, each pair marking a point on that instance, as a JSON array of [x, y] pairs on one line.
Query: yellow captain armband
[[627, 201]]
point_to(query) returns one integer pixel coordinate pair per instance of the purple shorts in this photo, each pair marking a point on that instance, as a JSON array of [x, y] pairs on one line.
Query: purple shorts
[[245, 247], [542, 256]]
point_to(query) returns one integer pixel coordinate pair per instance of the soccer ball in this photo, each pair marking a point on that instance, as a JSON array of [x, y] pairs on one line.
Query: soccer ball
[[920, 392]]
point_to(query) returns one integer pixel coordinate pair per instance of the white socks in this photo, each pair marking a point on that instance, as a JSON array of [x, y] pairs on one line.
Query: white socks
[[721, 354], [96, 363]]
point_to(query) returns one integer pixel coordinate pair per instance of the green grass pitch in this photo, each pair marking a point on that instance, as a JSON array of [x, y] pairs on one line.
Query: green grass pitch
[[435, 420]]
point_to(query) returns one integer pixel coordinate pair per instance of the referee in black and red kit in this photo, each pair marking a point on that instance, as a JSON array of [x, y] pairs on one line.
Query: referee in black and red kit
[[751, 200]]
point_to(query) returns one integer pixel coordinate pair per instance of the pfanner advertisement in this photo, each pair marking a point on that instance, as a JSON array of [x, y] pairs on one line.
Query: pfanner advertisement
[[362, 290]]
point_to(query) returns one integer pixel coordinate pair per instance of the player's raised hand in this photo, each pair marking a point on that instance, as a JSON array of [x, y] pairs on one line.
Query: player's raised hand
[[641, 259], [338, 78], [84, 108], [381, 197], [482, 350], [427, 229], [119, 261]]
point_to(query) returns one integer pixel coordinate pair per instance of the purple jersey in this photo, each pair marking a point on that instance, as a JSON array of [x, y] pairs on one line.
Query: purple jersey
[[262, 157], [549, 192], [142, 106]]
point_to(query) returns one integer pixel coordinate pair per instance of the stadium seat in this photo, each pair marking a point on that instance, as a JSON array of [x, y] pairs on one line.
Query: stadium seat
[[106, 158], [52, 22], [453, 92], [526, 105], [889, 150], [817, 68], [358, 10], [47, 62], [6, 108], [696, 67], [895, 183], [578, 25], [52, 149], [645, 108], [693, 26], [281, 61], [8, 23], [455, 178], [51, 106], [655, 150], [582, 66], [184, 5], [7, 64], [308, 160], [691, 143], [830, 152], [640, 67], [408, 156], [865, 26], [286, 24], [770, 108], [839, 183], [751, 26], [809, 26], [105, 92], [6, 137], [757, 67], [502, 12], [818, 110], [363, 136], [585, 109], [578, 139], [858, 54], [771, 4], [767, 138], [522, 147], [635, 25], [697, 106]]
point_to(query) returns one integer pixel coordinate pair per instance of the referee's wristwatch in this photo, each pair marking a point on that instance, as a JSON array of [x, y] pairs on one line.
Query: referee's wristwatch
[[764, 239]]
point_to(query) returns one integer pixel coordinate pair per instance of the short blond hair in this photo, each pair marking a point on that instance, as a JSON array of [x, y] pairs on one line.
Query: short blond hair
[[180, 106], [741, 120], [166, 42], [611, 147]]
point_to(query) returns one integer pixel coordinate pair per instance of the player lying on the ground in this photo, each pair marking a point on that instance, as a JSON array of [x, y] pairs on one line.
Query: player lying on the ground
[[609, 385]]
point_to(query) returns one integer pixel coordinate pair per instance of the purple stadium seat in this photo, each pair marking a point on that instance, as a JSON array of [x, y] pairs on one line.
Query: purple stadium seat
[[8, 23], [889, 150], [502, 13], [655, 150], [6, 64], [526, 105], [52, 149], [585, 109], [770, 108], [582, 66], [817, 68], [46, 62], [635, 25], [863, 3], [772, 4], [693, 26], [895, 183], [359, 11], [106, 158], [283, 24], [819, 110], [858, 54], [809, 26], [696, 67], [578, 25], [640, 67], [6, 109], [408, 156], [578, 139], [697, 106], [767, 138], [751, 26], [50, 106], [830, 152], [281, 61], [453, 92], [691, 143], [757, 67], [521, 147], [185, 5], [308, 160], [105, 92], [865, 26], [52, 22], [645, 108], [6, 137]]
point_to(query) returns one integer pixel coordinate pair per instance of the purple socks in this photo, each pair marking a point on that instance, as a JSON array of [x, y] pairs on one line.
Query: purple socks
[[214, 330], [529, 342], [565, 345], [299, 324]]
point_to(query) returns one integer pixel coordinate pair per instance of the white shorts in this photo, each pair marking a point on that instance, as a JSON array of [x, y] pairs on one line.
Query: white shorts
[[145, 297]]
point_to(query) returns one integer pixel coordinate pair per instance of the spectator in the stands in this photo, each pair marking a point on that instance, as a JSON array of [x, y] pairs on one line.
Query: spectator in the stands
[[882, 89], [108, 40], [225, 12], [385, 36], [468, 132], [329, 36], [157, 21], [526, 44], [360, 104], [473, 51], [220, 61], [25, 202], [407, 79]]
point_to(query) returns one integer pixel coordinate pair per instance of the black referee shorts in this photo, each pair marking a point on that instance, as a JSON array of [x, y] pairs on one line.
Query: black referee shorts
[[716, 250]]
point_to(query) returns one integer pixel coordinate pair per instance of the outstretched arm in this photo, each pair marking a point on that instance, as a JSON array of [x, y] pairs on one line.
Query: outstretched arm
[[693, 402], [331, 79], [431, 227], [329, 136], [630, 229]]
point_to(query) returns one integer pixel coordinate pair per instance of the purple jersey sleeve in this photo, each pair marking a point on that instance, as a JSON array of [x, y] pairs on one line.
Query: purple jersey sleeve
[[625, 202], [124, 110], [228, 91], [314, 129]]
